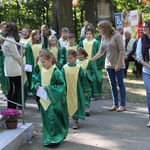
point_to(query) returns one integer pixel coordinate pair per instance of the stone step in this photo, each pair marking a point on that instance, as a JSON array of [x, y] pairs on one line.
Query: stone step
[[14, 139]]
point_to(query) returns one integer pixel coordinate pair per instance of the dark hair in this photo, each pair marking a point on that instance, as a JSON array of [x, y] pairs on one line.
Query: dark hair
[[45, 26], [12, 30], [88, 29], [47, 55], [82, 51], [33, 33], [27, 28], [72, 52], [71, 35], [91, 27], [146, 43]]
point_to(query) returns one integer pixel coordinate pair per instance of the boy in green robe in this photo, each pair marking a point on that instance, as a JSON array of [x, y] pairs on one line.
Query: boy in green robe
[[77, 88]]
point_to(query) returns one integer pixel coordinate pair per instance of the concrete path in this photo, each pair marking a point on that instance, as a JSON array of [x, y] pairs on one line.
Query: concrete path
[[103, 130]]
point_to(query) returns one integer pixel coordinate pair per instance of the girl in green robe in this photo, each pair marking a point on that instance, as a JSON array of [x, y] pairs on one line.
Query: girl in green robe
[[53, 107], [94, 77], [53, 47], [32, 52], [89, 26], [91, 45], [77, 87]]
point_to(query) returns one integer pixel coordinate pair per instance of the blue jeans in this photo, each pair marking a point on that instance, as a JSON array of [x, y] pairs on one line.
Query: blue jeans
[[116, 79], [146, 78]]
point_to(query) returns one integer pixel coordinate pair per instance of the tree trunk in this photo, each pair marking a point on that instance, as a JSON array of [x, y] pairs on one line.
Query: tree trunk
[[90, 12], [62, 15]]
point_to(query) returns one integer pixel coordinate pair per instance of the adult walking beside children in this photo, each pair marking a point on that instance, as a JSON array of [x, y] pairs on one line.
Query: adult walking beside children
[[143, 56], [13, 60], [112, 44]]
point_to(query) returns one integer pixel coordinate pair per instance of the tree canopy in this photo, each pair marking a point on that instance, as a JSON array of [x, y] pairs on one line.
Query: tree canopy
[[59, 13]]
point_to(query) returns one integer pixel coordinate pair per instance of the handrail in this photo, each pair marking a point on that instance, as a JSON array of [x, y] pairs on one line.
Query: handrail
[[20, 44], [22, 75]]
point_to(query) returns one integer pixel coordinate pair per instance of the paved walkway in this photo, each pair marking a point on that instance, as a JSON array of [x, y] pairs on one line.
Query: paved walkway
[[103, 130]]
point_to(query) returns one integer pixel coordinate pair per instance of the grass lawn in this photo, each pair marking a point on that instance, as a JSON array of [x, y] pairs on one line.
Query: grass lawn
[[134, 87]]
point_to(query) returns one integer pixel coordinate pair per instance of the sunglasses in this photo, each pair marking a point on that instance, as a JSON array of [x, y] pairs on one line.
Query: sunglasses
[[145, 27]]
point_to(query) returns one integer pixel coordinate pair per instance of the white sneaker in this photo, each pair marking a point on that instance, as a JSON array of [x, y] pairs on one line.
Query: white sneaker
[[30, 94], [148, 125]]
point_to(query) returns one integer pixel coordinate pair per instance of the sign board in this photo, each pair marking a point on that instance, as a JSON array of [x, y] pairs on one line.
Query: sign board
[[104, 8]]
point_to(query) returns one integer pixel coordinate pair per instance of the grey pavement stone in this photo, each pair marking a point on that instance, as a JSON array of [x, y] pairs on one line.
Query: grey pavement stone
[[103, 130]]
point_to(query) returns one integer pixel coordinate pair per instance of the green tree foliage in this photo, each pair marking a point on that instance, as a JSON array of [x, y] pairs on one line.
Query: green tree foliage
[[34, 13]]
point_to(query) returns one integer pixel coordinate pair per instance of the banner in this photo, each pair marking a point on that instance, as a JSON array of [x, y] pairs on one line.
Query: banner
[[119, 20], [128, 21]]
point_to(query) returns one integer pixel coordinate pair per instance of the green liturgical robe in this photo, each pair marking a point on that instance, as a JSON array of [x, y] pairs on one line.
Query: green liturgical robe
[[94, 78], [77, 88], [31, 54], [92, 48], [3, 79], [53, 110]]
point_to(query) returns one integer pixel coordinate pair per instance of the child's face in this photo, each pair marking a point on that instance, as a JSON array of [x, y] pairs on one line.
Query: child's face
[[36, 37], [80, 55], [71, 41], [71, 59], [89, 35], [65, 35], [46, 63], [53, 41]]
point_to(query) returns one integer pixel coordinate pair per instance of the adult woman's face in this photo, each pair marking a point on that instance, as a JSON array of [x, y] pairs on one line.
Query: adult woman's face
[[101, 31], [146, 29]]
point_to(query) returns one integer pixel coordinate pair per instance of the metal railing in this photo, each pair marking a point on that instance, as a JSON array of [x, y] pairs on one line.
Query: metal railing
[[22, 77]]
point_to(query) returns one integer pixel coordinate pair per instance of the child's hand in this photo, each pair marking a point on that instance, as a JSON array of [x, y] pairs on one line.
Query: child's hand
[[85, 94], [37, 87], [91, 60]]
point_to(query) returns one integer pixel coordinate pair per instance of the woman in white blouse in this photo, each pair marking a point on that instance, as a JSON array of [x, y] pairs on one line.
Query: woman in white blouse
[[12, 63]]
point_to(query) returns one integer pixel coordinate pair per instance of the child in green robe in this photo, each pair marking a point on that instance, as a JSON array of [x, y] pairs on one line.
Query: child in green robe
[[93, 76], [91, 45], [53, 109], [77, 87], [53, 47], [62, 42], [71, 44], [32, 52]]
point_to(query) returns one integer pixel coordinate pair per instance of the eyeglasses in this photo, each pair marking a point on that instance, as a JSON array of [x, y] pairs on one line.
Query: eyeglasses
[[145, 27]]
